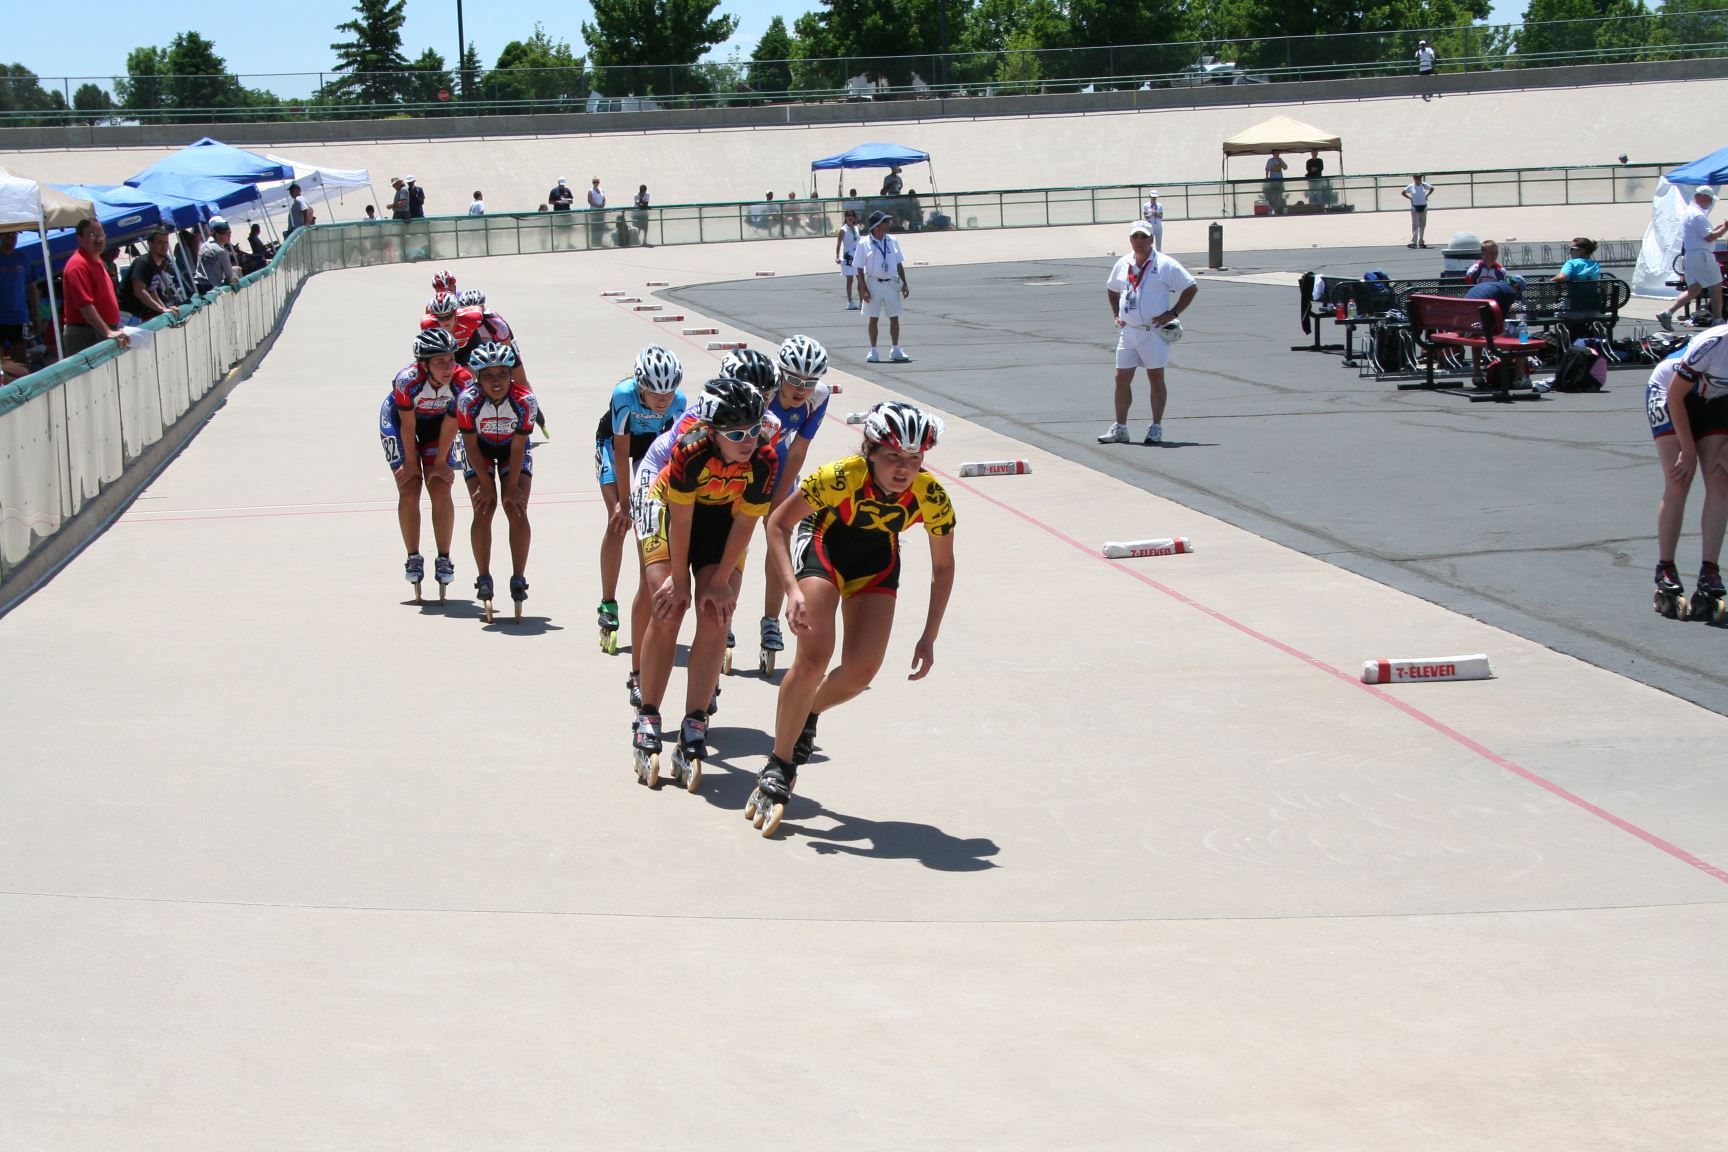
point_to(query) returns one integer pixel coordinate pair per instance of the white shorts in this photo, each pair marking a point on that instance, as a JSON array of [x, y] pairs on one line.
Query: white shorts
[[1702, 269], [848, 269], [1141, 348], [884, 298]]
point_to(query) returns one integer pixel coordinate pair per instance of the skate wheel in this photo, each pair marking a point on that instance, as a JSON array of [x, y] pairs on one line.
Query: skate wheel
[[1719, 613], [518, 617], [766, 663], [440, 593], [488, 606], [750, 808], [772, 825], [648, 771], [417, 599], [692, 775], [761, 815], [726, 663]]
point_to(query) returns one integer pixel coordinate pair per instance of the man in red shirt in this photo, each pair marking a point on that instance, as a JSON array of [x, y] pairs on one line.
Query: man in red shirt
[[92, 311]]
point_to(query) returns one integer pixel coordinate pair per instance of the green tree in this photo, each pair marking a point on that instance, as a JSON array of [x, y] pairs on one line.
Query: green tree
[[372, 59], [197, 77], [769, 73], [1004, 39], [94, 102], [142, 90], [540, 69], [1566, 27], [868, 35], [22, 94], [469, 72], [636, 46], [1331, 33], [426, 79]]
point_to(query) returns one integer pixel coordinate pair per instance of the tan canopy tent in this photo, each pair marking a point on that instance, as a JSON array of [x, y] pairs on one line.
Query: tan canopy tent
[[27, 206], [1281, 134]]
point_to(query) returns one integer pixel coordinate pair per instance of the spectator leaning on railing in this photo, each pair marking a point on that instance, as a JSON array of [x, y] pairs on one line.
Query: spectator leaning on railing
[[399, 201], [91, 312], [151, 288], [300, 213], [560, 198], [215, 265]]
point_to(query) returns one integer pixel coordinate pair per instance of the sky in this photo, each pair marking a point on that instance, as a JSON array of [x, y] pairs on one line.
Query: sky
[[273, 38]]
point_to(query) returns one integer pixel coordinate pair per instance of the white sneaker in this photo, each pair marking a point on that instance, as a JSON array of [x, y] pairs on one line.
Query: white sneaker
[[1154, 434], [1118, 434], [851, 305], [872, 358], [898, 356]]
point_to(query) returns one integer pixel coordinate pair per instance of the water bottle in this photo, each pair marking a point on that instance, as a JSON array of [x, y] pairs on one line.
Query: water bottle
[[1350, 308], [1523, 331]]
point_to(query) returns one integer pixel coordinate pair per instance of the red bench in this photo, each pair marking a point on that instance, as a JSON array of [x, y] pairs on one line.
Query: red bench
[[1460, 322]]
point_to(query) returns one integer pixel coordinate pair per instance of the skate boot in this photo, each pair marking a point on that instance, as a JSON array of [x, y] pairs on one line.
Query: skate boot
[[806, 743], [773, 788], [415, 571], [518, 593], [692, 749], [634, 683], [483, 593], [1670, 597], [726, 660], [645, 745], [1708, 601], [445, 572], [714, 701], [609, 627], [771, 644]]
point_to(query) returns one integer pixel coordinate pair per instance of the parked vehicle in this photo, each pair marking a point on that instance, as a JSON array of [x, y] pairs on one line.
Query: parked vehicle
[[1211, 70]]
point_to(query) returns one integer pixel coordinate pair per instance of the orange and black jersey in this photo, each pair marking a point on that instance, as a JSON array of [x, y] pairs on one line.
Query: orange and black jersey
[[847, 498], [698, 474]]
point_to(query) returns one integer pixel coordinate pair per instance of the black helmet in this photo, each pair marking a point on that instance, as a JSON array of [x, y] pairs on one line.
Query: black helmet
[[736, 403], [752, 367], [434, 342]]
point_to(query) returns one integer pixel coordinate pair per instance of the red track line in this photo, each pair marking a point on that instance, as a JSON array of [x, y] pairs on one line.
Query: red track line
[[1408, 709], [152, 519]]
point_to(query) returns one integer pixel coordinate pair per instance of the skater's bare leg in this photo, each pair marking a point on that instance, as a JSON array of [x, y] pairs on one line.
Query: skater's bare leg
[[659, 642], [483, 494], [408, 507], [869, 619], [521, 534], [611, 544], [1716, 303], [773, 596], [1160, 394], [1124, 393], [809, 663], [1713, 464], [439, 486], [640, 608], [1671, 513], [707, 648]]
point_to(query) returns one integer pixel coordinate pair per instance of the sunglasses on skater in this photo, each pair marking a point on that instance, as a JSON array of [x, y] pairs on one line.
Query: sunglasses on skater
[[738, 435]]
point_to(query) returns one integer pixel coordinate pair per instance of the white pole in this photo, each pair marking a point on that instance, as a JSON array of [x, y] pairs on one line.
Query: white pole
[[48, 269]]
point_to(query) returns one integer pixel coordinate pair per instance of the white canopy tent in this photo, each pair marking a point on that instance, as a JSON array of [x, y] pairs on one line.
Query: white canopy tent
[[315, 180], [1281, 134], [1662, 241], [26, 206]]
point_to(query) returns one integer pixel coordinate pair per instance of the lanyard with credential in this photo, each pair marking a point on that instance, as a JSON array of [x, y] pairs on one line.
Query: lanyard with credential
[[1132, 299], [882, 247]]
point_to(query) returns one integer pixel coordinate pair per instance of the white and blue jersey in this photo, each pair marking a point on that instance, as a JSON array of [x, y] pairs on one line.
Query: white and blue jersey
[[798, 422], [629, 416], [1703, 364]]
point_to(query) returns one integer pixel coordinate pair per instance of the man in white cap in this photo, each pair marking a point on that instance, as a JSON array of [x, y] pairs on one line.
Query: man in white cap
[[398, 199], [1698, 256], [215, 265], [1425, 63], [880, 262], [1153, 213], [1140, 287], [561, 197]]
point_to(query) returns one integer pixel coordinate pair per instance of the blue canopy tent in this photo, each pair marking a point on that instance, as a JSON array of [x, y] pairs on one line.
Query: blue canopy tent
[[176, 210], [1712, 169], [212, 158], [123, 220], [873, 156], [212, 191]]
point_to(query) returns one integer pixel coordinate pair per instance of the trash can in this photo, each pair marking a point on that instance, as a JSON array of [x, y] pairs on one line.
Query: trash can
[[1215, 247], [1463, 250]]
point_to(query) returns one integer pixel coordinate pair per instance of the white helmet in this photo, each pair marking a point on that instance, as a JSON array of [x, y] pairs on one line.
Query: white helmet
[[802, 356], [903, 426], [471, 298], [1172, 332], [658, 370]]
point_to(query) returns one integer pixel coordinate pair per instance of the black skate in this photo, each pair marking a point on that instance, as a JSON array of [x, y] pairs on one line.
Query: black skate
[[726, 660], [483, 593], [806, 743], [415, 571], [692, 749], [645, 746], [518, 593], [608, 613], [772, 644], [773, 788], [714, 701], [1708, 603], [445, 573], [1670, 598]]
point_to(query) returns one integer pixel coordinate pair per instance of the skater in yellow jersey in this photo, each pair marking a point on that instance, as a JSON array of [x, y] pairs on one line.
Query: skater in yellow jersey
[[848, 517]]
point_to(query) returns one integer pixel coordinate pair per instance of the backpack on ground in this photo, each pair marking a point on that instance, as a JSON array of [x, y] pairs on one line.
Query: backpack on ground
[[1582, 369]]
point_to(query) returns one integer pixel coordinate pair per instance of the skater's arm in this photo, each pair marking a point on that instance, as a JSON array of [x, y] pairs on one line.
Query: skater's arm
[[410, 445], [718, 596], [679, 517], [446, 437], [1677, 416], [941, 585], [622, 477], [790, 472]]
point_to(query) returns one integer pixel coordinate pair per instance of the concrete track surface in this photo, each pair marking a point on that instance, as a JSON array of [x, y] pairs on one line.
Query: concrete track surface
[[289, 863]]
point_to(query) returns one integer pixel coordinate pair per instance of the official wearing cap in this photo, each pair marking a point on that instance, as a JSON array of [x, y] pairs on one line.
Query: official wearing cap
[[1140, 288], [880, 262]]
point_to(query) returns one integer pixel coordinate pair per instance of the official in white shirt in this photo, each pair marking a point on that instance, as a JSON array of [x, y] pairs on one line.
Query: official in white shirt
[[596, 222], [846, 254], [1417, 192], [880, 262], [1140, 288], [1698, 258], [1153, 213]]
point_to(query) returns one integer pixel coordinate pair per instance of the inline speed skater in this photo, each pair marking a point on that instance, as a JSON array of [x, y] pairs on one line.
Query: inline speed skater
[[441, 313], [421, 448], [1687, 404], [848, 518], [495, 416], [694, 525], [798, 401], [643, 406]]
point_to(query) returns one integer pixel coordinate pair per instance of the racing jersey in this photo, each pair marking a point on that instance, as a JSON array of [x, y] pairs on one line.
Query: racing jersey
[[659, 453], [415, 390], [630, 416], [846, 498], [697, 474], [800, 421], [1705, 363], [492, 422], [475, 326]]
